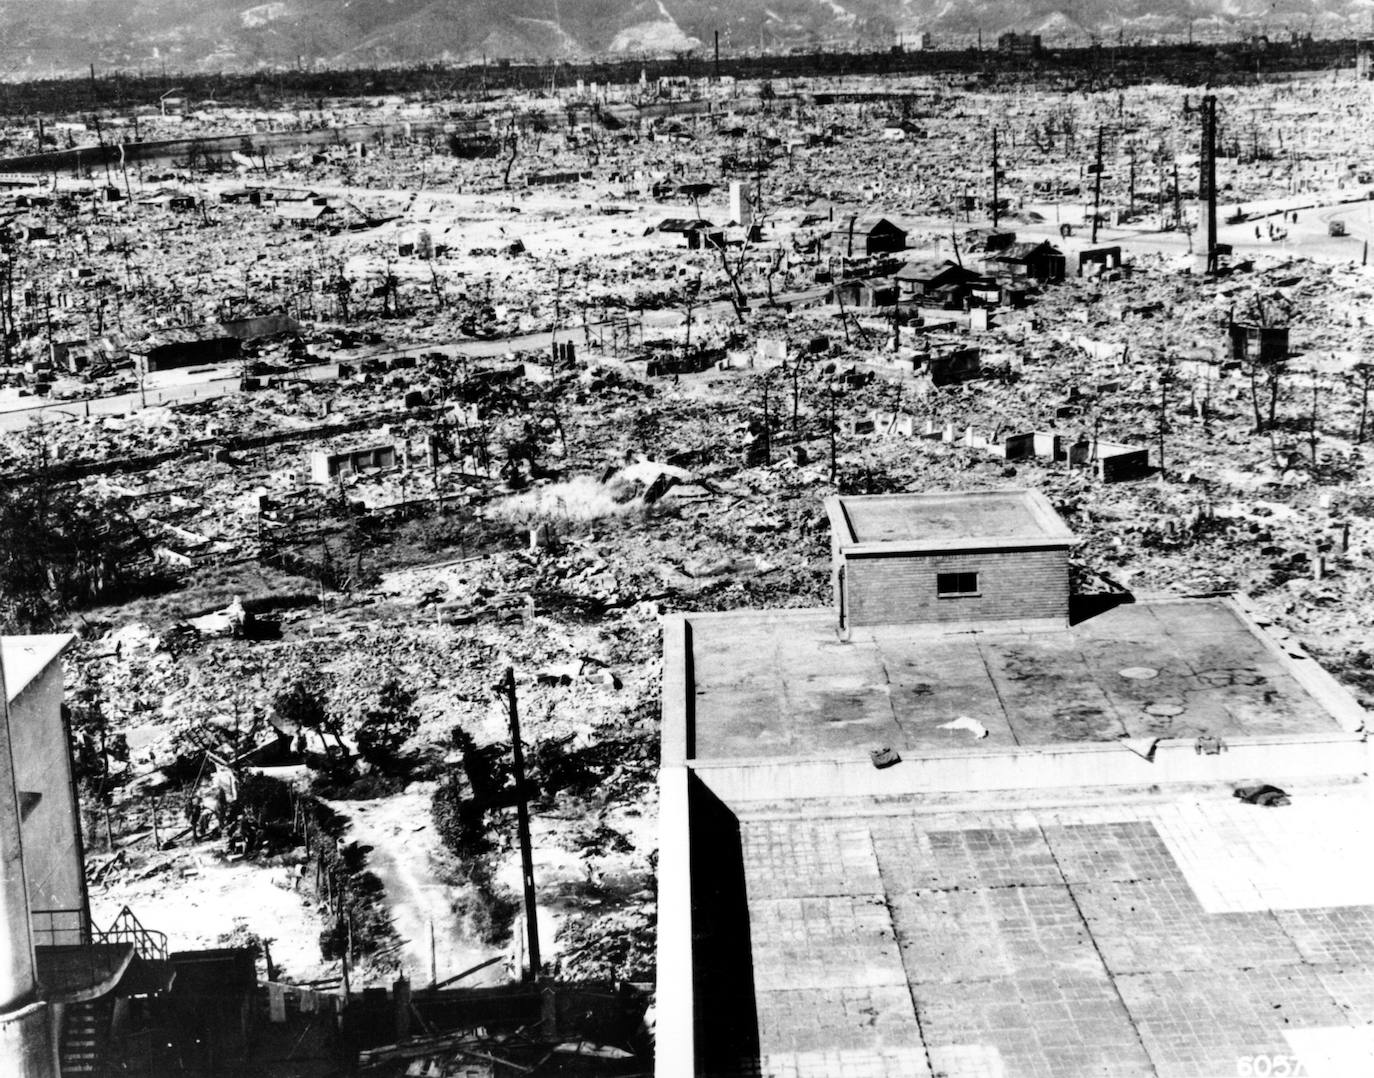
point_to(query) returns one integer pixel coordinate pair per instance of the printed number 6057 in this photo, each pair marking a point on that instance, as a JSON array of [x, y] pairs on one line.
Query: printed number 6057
[[1269, 1067]]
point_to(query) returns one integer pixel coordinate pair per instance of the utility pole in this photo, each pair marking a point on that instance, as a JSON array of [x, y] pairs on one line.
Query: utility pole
[[1131, 211], [717, 55], [1178, 199], [996, 209], [1097, 184], [522, 818]]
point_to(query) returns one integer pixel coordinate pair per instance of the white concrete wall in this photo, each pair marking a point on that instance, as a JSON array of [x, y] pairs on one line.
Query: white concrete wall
[[674, 996], [17, 980], [42, 765]]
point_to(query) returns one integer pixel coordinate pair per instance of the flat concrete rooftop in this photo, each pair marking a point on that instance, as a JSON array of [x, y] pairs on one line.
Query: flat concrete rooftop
[[780, 685], [1076, 894], [1154, 937], [942, 518]]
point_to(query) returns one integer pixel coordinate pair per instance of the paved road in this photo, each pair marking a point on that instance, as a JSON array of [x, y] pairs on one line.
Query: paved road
[[1305, 238], [18, 414]]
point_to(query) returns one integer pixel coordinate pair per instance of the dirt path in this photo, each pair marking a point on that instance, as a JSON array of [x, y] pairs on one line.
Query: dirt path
[[403, 844]]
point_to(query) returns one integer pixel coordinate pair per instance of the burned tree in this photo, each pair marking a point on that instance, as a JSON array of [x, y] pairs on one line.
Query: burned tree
[[61, 547], [1259, 340], [1360, 377]]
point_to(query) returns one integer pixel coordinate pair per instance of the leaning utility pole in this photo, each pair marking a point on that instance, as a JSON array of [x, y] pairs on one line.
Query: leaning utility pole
[[522, 818], [1097, 184], [1207, 180], [996, 205]]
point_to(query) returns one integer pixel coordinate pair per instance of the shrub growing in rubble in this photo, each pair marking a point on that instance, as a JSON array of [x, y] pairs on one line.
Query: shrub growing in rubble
[[303, 708], [613, 946], [362, 914], [265, 814], [387, 727], [488, 906], [461, 823]]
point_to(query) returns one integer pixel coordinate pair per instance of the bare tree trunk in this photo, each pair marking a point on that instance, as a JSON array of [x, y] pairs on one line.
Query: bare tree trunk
[[1312, 437], [513, 145], [1254, 398]]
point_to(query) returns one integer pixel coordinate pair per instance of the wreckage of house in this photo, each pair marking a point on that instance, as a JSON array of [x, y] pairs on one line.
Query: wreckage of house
[[327, 467], [1041, 261], [176, 347], [863, 237], [944, 281], [695, 232]]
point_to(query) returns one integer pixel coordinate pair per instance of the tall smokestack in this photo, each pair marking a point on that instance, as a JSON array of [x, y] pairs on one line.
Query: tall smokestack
[[1207, 178], [717, 55]]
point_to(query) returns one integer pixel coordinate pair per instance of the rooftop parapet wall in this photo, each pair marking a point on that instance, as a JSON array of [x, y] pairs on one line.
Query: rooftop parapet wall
[[1122, 764], [753, 685]]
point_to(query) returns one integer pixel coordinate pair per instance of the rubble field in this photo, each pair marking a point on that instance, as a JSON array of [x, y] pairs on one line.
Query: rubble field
[[321, 443]]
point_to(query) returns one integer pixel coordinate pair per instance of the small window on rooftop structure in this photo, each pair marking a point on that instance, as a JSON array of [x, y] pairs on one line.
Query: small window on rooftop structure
[[949, 585]]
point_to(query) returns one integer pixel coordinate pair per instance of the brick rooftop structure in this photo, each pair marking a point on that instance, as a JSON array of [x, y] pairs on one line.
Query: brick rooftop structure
[[1055, 878], [916, 558]]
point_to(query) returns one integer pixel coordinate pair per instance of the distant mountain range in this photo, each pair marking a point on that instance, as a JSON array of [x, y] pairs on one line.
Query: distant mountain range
[[42, 37]]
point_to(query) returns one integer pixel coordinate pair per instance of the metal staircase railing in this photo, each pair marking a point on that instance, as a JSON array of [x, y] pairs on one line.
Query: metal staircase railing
[[69, 928], [148, 944]]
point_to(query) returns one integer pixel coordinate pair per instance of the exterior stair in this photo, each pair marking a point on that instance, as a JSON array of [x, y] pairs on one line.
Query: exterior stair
[[82, 1051]]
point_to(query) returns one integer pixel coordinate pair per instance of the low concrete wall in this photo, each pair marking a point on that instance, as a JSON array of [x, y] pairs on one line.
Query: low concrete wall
[[1045, 767]]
